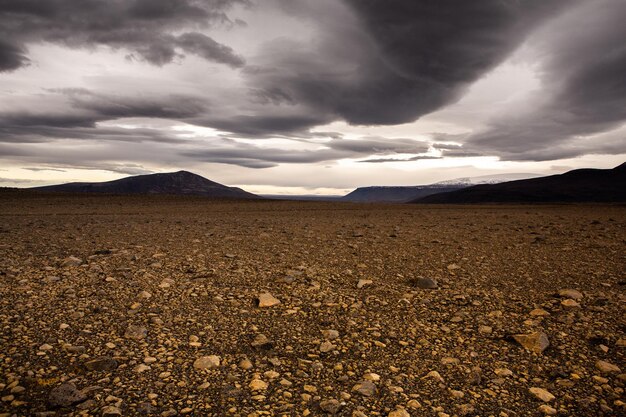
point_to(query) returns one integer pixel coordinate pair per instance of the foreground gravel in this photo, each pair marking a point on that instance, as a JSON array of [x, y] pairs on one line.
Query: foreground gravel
[[169, 306]]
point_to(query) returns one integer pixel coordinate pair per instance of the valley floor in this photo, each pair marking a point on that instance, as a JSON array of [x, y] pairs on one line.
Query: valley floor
[[107, 303]]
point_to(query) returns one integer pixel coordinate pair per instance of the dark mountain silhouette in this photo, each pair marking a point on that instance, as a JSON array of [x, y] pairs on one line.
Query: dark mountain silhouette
[[396, 194], [176, 183], [580, 185]]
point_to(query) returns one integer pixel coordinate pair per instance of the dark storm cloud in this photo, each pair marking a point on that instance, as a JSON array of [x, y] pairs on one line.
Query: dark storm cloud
[[382, 62], [11, 57], [141, 26], [77, 117], [583, 90]]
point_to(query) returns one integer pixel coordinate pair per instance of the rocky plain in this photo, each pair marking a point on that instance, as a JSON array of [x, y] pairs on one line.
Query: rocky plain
[[167, 306]]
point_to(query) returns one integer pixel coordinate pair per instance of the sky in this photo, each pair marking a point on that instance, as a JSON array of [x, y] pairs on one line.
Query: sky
[[309, 97]]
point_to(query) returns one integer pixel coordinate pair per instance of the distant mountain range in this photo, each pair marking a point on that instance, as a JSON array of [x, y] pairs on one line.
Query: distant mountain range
[[403, 194], [174, 183], [580, 185]]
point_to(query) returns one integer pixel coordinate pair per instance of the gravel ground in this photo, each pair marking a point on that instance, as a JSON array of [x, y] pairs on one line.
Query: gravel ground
[[180, 306]]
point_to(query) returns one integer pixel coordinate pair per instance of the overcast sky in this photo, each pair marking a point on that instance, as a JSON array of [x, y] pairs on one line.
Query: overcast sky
[[303, 96]]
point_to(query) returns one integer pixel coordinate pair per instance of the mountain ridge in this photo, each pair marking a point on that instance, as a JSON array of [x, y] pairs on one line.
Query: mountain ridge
[[404, 194], [173, 183], [579, 185]]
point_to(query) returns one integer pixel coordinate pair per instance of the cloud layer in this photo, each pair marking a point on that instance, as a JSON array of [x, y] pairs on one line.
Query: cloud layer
[[142, 27], [238, 70]]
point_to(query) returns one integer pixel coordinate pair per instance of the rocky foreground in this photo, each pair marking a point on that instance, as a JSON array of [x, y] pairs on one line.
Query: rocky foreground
[[171, 306]]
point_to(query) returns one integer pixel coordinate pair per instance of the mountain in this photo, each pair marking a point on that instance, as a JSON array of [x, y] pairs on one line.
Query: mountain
[[580, 185], [487, 179], [392, 194], [177, 183], [399, 194]]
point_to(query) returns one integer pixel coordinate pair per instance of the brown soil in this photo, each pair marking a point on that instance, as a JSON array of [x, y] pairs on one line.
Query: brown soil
[[203, 264]]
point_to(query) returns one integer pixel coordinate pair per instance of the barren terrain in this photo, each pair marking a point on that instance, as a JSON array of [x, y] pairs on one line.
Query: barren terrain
[[150, 306]]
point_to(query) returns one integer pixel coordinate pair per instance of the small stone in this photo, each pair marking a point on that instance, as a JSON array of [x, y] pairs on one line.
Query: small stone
[[547, 410], [149, 359], [485, 329], [207, 362], [330, 334], [569, 293], [326, 347], [457, 394], [261, 341], [371, 376], [72, 261], [111, 411], [144, 295], [539, 312], [65, 395], [364, 282], [141, 368], [365, 388], [102, 363], [607, 367], [76, 349], [166, 283], [267, 300], [535, 342], [503, 372], [45, 347], [246, 364], [400, 412], [542, 394], [434, 375], [136, 332], [569, 303], [330, 406], [414, 404], [426, 283], [258, 385]]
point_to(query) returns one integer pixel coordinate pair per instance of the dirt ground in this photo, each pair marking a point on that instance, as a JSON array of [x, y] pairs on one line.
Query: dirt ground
[[149, 306]]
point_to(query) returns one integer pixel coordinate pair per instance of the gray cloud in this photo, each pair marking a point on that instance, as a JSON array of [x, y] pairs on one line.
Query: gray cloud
[[388, 63], [413, 158], [11, 57], [583, 90], [144, 27], [367, 62], [81, 109], [251, 156]]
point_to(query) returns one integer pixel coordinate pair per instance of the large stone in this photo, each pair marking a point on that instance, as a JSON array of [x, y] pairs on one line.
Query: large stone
[[111, 411], [426, 283], [66, 395], [535, 342], [363, 283], [365, 388], [569, 293], [607, 367], [542, 394], [207, 362], [72, 261], [136, 332], [267, 300], [262, 342], [258, 385], [103, 363], [330, 406]]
